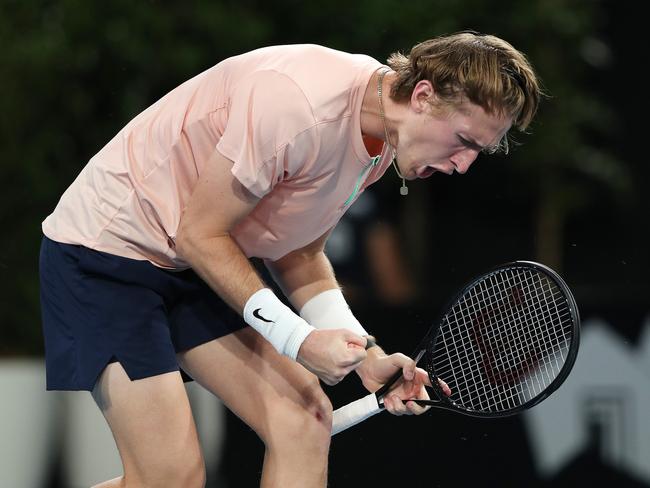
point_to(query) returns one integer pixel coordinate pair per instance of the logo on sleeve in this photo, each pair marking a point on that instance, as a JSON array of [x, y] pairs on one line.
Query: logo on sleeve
[[256, 314]]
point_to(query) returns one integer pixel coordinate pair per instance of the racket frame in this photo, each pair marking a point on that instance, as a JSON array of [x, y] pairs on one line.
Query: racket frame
[[441, 400]]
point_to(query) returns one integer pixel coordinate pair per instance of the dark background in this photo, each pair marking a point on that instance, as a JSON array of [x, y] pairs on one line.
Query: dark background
[[571, 194]]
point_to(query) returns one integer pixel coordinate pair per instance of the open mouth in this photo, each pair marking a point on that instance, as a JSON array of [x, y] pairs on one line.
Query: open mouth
[[426, 171]]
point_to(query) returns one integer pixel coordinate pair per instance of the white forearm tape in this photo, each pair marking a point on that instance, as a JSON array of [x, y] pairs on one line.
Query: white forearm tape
[[329, 310], [277, 323]]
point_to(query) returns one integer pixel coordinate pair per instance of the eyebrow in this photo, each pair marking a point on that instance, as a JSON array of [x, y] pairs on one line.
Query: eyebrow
[[471, 143]]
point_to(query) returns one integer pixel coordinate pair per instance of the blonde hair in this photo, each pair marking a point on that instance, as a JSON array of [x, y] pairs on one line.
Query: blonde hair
[[483, 69]]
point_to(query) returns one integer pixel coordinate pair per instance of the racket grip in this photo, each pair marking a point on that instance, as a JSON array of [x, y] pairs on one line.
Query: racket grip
[[355, 412]]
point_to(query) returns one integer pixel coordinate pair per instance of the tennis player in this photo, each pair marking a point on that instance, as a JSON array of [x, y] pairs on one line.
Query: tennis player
[[145, 271]]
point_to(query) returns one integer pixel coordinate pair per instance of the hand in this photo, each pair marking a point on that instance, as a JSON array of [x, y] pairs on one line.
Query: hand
[[379, 368], [332, 353]]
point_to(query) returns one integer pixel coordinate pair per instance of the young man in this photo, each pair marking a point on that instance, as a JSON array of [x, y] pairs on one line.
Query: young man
[[145, 267]]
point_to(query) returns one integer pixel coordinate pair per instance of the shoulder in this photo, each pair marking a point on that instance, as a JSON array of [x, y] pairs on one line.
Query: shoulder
[[271, 98], [312, 68]]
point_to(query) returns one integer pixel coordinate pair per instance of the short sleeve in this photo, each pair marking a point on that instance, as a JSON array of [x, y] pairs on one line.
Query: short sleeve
[[268, 134]]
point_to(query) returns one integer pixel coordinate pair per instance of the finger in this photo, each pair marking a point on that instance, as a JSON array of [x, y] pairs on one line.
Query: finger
[[408, 371], [396, 406], [390, 406], [423, 394], [416, 409], [416, 391], [405, 363], [421, 376], [445, 388], [354, 340]]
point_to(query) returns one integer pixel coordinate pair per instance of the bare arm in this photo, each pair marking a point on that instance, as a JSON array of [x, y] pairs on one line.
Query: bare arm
[[304, 272], [218, 203], [203, 239]]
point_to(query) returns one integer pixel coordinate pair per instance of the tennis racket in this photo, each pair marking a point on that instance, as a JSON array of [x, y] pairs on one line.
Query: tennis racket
[[504, 343]]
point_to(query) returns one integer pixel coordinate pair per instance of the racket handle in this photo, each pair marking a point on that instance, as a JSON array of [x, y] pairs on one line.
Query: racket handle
[[355, 412]]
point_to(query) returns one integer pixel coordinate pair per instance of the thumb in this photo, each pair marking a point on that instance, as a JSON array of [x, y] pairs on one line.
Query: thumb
[[354, 340], [405, 363]]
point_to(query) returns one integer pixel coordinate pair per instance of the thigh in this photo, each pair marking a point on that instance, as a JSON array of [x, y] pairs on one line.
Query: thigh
[[151, 421], [256, 382]]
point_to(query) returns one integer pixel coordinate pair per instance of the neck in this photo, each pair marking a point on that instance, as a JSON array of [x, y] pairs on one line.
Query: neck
[[371, 122], [384, 122], [382, 114]]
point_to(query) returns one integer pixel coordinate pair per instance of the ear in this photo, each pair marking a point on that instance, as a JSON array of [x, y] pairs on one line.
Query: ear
[[422, 96]]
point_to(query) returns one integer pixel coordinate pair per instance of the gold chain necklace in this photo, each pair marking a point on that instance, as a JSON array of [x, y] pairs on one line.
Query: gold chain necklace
[[380, 81]]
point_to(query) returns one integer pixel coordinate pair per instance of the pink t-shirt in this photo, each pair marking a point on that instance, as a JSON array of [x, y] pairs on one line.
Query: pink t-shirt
[[289, 119]]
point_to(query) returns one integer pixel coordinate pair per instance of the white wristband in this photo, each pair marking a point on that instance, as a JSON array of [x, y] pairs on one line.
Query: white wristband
[[277, 323], [329, 310]]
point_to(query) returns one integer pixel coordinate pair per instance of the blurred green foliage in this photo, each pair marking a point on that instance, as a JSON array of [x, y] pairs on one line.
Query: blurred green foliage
[[74, 72]]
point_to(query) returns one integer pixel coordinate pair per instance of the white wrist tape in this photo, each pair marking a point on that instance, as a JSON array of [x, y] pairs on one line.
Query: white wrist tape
[[277, 323], [329, 310]]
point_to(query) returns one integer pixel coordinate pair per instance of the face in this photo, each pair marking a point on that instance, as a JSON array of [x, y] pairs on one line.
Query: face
[[430, 142]]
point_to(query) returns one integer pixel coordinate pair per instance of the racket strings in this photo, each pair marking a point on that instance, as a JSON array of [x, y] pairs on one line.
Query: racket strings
[[504, 341], [528, 342], [488, 336], [505, 376], [507, 371]]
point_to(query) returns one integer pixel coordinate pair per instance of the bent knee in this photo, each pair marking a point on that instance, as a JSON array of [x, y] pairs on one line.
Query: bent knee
[[317, 404], [310, 418]]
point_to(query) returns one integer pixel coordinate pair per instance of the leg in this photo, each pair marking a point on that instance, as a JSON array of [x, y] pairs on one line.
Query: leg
[[276, 397], [153, 427]]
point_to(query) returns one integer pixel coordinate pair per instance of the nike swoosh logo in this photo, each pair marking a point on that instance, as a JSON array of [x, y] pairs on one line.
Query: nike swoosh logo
[[256, 314]]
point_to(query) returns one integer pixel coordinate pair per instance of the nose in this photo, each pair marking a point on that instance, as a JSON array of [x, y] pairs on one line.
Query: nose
[[462, 160]]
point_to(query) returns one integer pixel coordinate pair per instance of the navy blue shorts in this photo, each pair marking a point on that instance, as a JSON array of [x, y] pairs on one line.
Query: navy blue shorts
[[98, 308]]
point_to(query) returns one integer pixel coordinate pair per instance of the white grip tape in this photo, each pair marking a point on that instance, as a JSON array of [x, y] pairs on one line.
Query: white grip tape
[[277, 323], [329, 310], [355, 412]]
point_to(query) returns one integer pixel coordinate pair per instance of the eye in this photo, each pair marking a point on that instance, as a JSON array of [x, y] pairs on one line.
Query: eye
[[464, 142], [470, 144]]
